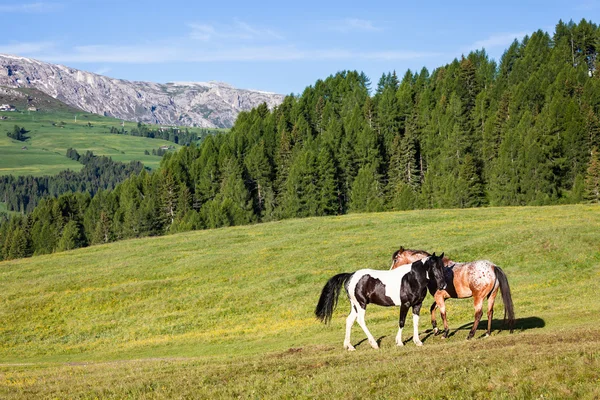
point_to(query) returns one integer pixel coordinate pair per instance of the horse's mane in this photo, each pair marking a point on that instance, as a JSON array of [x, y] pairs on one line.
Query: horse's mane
[[415, 252], [402, 250]]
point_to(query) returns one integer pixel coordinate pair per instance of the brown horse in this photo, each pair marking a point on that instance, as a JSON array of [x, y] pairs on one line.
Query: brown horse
[[477, 279]]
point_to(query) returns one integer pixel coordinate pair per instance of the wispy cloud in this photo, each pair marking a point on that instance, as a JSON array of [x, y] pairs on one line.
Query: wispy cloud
[[39, 7], [588, 5], [152, 54], [349, 25], [204, 43], [496, 40], [27, 48], [202, 32], [238, 30], [103, 70]]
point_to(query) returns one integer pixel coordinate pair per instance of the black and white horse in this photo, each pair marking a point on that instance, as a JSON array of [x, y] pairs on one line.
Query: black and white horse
[[405, 286]]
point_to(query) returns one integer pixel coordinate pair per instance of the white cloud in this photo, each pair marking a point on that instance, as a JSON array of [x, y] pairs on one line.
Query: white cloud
[[26, 48], [497, 40], [349, 25], [152, 54], [234, 42], [257, 33], [202, 31], [103, 70], [239, 30], [39, 7], [588, 5]]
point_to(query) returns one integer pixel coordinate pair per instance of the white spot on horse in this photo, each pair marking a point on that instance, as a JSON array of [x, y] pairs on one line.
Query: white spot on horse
[[399, 338], [416, 330], [481, 273]]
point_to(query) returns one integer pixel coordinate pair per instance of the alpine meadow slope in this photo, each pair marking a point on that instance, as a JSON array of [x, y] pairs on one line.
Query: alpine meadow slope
[[229, 312]]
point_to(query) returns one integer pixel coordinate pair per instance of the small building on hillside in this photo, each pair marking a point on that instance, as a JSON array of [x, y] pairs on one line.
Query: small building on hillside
[[7, 107], [32, 108], [169, 128], [165, 147]]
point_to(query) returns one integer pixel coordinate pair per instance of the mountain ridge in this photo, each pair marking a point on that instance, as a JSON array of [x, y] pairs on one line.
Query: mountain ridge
[[209, 104]]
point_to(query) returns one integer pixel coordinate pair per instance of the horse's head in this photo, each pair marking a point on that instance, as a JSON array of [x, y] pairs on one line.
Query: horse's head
[[404, 256], [435, 267]]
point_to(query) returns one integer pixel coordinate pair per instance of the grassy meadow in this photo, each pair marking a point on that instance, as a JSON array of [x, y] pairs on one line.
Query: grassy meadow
[[229, 312], [48, 143]]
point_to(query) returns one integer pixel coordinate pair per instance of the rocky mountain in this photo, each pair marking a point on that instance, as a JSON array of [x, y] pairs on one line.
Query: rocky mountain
[[23, 98], [204, 104]]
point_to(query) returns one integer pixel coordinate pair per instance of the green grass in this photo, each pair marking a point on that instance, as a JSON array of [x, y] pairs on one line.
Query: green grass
[[229, 312], [48, 143]]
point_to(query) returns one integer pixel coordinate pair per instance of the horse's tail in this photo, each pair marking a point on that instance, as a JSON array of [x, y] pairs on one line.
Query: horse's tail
[[506, 298], [329, 296]]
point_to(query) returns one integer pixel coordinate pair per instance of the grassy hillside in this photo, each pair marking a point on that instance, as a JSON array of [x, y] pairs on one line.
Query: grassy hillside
[[48, 143], [55, 127], [229, 312]]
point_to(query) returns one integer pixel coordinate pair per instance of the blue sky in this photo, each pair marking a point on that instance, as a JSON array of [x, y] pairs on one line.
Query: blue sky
[[278, 46]]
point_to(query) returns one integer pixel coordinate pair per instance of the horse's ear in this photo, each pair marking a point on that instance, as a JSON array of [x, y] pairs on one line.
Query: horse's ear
[[433, 254], [401, 249], [442, 255]]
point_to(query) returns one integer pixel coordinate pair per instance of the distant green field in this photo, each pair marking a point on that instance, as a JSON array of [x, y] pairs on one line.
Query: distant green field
[[228, 313], [46, 148]]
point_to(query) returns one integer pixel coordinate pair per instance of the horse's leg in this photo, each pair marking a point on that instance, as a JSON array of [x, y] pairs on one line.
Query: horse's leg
[[349, 322], [490, 313], [361, 322], [436, 331], [478, 303], [403, 312], [441, 303], [416, 311]]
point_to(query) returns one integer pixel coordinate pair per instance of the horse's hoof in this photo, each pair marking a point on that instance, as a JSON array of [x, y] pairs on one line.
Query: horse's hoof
[[399, 344], [436, 331], [350, 348], [419, 343], [487, 335], [375, 346]]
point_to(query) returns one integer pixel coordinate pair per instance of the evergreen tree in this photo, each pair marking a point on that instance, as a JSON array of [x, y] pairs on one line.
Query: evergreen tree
[[169, 195], [469, 187], [592, 179], [367, 193], [18, 245], [103, 232], [234, 198], [327, 183], [259, 171], [72, 236]]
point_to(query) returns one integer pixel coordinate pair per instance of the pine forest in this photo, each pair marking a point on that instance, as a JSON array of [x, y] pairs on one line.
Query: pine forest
[[523, 130]]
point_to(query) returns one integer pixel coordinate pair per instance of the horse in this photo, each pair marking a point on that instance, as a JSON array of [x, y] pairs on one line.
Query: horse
[[477, 279], [405, 286]]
